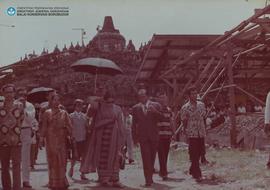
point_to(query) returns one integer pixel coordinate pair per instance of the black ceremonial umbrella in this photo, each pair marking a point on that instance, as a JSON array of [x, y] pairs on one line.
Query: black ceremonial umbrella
[[97, 66], [38, 95]]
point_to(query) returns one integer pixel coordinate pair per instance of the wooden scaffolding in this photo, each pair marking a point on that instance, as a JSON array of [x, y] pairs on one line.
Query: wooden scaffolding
[[213, 62]]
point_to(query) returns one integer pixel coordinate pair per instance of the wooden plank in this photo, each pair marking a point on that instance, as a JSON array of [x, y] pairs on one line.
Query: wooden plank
[[206, 68], [213, 74], [255, 58], [214, 82], [175, 88], [265, 20], [217, 89], [218, 53], [245, 42], [168, 82], [251, 32], [237, 35], [250, 50], [259, 11], [251, 96], [266, 27], [181, 94]]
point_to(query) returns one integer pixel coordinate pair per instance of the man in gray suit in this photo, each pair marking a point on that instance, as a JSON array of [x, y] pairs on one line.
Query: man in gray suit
[[146, 114]]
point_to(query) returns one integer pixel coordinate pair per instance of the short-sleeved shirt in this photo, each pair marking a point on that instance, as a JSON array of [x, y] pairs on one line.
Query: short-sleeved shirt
[[10, 125], [165, 124], [79, 125], [194, 114]]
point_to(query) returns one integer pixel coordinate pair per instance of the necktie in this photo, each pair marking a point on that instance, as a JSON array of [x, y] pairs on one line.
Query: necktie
[[144, 109]]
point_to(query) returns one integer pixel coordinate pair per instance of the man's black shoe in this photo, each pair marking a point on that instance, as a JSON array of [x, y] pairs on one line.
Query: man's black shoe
[[148, 185], [268, 165], [205, 162], [130, 161], [26, 185], [164, 178]]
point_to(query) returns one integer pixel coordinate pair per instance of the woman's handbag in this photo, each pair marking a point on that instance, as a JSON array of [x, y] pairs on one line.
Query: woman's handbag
[[122, 158]]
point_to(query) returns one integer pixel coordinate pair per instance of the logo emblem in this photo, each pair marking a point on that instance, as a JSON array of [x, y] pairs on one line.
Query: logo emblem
[[11, 11]]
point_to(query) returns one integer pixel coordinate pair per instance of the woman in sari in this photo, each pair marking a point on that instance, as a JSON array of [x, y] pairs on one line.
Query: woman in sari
[[107, 138], [55, 130]]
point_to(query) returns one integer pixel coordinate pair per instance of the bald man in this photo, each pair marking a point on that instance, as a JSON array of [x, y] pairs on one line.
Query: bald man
[[146, 114]]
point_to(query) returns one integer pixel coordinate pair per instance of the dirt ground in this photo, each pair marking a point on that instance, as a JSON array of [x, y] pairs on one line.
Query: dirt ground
[[228, 170]]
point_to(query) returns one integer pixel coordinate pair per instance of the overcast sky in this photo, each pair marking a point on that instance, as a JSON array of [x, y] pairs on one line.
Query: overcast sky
[[136, 19]]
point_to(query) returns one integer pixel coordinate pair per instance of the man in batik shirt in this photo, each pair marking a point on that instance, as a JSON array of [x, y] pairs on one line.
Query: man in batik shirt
[[11, 116], [192, 116]]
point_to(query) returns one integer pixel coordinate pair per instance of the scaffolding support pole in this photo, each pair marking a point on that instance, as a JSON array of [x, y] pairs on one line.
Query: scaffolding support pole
[[233, 132]]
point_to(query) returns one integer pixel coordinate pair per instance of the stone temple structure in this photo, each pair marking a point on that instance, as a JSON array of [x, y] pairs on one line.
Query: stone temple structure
[[109, 39], [52, 69]]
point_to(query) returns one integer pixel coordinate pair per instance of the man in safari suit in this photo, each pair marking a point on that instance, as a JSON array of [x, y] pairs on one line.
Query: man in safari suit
[[146, 114]]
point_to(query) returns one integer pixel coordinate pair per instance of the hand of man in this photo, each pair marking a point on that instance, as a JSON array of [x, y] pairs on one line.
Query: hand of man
[[41, 142], [136, 142], [152, 109], [32, 133], [173, 138], [267, 129]]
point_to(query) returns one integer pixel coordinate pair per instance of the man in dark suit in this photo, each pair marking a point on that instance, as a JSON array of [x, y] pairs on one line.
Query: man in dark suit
[[146, 114]]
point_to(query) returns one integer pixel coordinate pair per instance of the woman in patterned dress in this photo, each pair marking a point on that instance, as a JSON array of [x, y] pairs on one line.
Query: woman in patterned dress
[[55, 130], [103, 149]]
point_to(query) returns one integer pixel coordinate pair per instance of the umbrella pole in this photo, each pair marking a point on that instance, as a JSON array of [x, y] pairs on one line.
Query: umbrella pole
[[95, 88]]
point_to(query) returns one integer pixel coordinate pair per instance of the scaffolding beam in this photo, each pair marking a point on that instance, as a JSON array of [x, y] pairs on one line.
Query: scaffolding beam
[[233, 132]]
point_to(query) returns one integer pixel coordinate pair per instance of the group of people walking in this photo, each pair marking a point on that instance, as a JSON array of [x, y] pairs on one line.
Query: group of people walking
[[96, 137]]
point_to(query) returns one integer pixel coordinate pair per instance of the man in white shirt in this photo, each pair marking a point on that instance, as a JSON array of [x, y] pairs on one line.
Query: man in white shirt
[[267, 121], [258, 108], [26, 135], [241, 109]]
